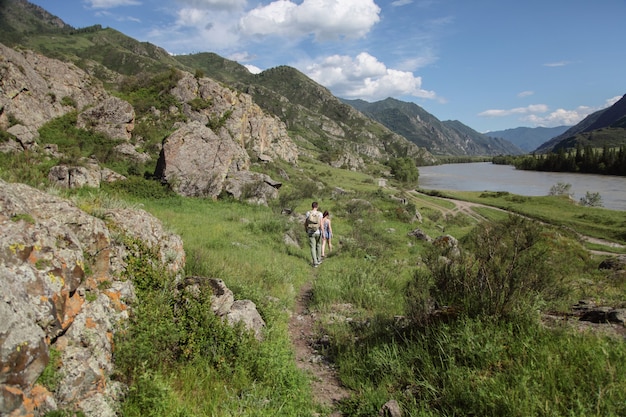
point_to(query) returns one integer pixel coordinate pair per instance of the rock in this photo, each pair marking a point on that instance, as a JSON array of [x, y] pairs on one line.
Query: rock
[[73, 177], [128, 151], [112, 117], [615, 263], [51, 300], [390, 409], [348, 160], [223, 302], [88, 175], [35, 89], [211, 153], [244, 311], [238, 118], [195, 161], [420, 235], [253, 187], [26, 135]]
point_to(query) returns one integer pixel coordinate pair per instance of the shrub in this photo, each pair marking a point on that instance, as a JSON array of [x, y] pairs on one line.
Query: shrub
[[560, 189], [503, 271], [591, 200]]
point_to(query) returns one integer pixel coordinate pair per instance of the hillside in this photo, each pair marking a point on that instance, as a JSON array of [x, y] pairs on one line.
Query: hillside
[[309, 110], [528, 138], [320, 124], [425, 130], [154, 261], [606, 127]]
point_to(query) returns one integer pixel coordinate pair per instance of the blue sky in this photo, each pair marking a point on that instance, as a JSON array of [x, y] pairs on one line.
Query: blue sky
[[491, 64]]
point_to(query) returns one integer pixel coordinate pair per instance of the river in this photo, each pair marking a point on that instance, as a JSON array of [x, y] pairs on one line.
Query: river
[[485, 176]]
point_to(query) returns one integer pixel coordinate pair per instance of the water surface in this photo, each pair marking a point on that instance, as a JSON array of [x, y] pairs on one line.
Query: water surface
[[485, 176]]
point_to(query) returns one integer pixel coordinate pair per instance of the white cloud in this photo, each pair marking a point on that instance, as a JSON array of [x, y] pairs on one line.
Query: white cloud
[[559, 117], [324, 19], [609, 102], [253, 69], [526, 94], [241, 56], [401, 2], [204, 29], [557, 64], [536, 114], [364, 77], [533, 108], [109, 4]]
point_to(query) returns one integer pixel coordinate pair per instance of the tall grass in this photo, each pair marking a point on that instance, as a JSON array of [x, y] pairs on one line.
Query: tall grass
[[486, 367]]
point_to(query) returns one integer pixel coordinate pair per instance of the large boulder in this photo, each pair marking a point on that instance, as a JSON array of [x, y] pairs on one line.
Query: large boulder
[[194, 161], [89, 174], [112, 116], [60, 272], [252, 187]]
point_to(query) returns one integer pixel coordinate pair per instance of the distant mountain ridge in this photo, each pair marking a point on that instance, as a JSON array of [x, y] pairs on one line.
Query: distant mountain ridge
[[422, 128], [528, 138], [605, 127]]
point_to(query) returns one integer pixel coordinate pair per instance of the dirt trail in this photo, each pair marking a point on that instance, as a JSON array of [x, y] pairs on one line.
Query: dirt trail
[[327, 390]]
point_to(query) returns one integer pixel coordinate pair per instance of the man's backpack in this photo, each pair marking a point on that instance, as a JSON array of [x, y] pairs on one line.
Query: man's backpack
[[313, 222]]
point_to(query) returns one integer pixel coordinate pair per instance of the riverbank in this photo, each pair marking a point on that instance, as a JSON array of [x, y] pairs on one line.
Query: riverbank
[[485, 176]]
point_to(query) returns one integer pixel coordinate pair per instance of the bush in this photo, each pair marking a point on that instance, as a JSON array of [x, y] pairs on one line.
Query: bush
[[503, 271]]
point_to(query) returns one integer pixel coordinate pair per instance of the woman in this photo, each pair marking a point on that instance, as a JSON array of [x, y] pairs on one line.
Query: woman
[[327, 233]]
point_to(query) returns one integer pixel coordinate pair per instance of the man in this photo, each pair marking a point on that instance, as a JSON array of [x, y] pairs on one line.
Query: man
[[313, 227]]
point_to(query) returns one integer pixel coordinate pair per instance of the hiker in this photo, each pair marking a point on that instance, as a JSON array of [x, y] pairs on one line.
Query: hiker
[[313, 227], [327, 233]]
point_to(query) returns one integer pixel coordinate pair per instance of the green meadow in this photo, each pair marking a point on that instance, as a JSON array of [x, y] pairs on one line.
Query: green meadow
[[444, 331], [491, 353]]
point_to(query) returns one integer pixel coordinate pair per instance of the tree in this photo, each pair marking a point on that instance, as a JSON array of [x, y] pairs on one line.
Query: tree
[[404, 169]]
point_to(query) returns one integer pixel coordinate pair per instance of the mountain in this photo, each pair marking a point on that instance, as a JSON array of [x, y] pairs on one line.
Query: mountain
[[309, 110], [528, 138], [605, 127], [425, 130], [323, 126]]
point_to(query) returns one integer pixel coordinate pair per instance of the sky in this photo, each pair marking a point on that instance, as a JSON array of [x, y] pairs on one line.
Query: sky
[[490, 64]]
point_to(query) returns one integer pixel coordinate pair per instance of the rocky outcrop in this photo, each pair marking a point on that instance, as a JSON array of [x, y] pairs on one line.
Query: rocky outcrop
[[253, 187], [223, 302], [233, 115], [211, 154], [90, 174], [65, 292], [194, 161], [112, 117], [35, 89], [60, 273]]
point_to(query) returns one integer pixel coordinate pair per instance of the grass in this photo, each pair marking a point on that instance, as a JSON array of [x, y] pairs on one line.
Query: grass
[[591, 221], [457, 366]]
